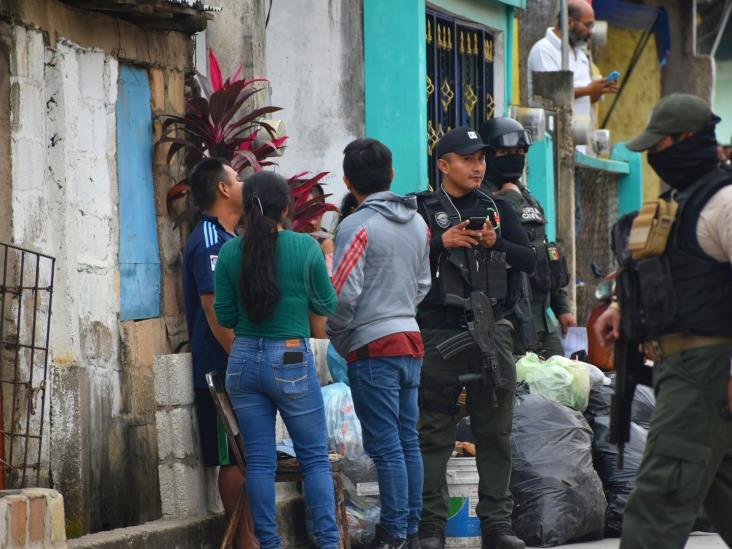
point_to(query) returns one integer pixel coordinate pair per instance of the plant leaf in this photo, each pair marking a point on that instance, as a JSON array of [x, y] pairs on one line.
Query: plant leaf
[[214, 70], [205, 84]]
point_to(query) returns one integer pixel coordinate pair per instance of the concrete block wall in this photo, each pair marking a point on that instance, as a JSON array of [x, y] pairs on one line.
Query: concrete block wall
[[183, 479], [32, 518]]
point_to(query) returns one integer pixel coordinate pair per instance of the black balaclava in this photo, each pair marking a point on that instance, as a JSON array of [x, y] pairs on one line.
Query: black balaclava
[[684, 162], [505, 169]]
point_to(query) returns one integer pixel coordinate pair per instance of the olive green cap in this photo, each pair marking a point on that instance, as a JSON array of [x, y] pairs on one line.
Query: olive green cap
[[676, 113]]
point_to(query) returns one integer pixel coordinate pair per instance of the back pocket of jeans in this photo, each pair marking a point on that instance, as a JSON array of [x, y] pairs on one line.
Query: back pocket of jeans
[[292, 379]]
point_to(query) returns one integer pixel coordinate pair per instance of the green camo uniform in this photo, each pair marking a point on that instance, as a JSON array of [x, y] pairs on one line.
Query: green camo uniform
[[549, 343]]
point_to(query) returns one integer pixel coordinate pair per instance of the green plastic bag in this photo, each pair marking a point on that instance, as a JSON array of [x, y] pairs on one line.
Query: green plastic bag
[[561, 379]]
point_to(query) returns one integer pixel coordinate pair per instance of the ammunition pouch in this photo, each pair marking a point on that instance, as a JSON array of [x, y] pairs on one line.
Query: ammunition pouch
[[647, 298], [496, 275], [454, 273], [551, 271], [651, 228], [438, 398]]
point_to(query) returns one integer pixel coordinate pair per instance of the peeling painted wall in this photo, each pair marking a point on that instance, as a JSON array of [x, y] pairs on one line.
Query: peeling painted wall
[[315, 66], [101, 442], [64, 198]]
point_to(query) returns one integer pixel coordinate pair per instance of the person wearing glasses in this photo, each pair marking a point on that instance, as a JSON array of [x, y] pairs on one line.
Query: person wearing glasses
[[546, 56], [510, 143]]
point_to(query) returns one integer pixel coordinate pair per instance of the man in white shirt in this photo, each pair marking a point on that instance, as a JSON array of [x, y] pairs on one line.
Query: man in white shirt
[[546, 56]]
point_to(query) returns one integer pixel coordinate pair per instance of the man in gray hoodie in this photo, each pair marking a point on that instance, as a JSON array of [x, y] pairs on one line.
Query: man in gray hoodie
[[381, 273]]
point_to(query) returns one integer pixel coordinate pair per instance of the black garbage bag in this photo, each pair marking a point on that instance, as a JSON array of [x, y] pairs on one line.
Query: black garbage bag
[[600, 400], [558, 496], [644, 401], [618, 484]]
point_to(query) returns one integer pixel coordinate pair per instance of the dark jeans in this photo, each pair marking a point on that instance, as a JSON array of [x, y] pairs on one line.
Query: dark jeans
[[385, 393], [259, 384], [491, 428]]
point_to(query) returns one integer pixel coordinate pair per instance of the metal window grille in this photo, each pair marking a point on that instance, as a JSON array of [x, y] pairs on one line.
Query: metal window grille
[[459, 78], [26, 290]]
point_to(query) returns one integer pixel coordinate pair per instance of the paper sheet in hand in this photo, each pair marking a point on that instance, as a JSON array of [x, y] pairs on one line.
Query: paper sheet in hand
[[576, 340]]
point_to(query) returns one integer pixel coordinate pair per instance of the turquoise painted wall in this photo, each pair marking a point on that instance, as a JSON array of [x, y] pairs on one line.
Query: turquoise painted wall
[[485, 12], [395, 61], [630, 186], [723, 100], [541, 181]]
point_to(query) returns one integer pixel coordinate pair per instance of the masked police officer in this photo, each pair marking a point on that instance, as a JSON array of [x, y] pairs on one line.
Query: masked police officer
[[510, 143], [474, 240], [685, 303]]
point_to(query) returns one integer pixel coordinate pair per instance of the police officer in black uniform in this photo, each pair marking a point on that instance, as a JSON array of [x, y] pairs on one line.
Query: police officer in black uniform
[[498, 248], [510, 144]]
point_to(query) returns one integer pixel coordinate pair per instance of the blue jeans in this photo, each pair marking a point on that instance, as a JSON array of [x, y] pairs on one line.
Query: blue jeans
[[385, 394], [259, 384]]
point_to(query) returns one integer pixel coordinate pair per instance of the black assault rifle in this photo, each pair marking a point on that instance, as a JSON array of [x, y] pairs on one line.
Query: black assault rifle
[[481, 332], [630, 369], [524, 314]]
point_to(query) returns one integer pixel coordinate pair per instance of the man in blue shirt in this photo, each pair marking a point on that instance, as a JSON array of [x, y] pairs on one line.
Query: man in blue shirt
[[217, 191]]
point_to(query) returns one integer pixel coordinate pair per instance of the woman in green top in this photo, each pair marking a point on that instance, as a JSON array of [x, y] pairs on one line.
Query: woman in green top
[[268, 282]]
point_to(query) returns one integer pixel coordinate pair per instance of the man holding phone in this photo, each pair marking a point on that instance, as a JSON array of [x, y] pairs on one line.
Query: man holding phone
[[546, 56], [467, 225]]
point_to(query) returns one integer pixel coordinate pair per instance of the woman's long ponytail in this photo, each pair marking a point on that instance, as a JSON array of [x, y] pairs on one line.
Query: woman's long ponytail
[[266, 197]]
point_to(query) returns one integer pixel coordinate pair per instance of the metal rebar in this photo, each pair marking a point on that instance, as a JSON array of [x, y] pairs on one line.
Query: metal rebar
[[30, 368], [22, 472], [45, 365], [16, 361]]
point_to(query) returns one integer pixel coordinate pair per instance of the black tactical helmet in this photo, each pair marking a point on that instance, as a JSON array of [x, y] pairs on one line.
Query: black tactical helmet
[[504, 133]]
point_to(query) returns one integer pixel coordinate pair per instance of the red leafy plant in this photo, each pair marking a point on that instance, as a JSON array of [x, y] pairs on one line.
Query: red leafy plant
[[306, 210], [220, 124]]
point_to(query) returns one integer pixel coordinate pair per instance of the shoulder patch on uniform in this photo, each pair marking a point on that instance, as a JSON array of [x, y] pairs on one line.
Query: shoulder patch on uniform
[[442, 220], [214, 259]]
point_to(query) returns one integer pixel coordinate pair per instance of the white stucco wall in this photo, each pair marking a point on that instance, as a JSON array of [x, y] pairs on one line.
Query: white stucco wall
[[64, 200], [315, 67]]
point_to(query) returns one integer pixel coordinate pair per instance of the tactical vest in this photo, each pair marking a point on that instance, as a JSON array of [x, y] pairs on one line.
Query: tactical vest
[[551, 272], [452, 274], [684, 290]]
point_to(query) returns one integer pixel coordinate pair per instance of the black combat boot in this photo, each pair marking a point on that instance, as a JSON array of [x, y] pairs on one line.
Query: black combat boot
[[501, 536], [413, 541], [384, 540], [431, 536]]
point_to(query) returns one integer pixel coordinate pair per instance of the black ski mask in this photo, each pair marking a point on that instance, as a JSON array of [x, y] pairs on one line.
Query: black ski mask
[[506, 169], [684, 162]]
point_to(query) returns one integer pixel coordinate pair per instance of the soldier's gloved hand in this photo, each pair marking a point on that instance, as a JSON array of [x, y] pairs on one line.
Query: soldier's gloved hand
[[567, 321], [607, 326], [489, 236], [460, 236]]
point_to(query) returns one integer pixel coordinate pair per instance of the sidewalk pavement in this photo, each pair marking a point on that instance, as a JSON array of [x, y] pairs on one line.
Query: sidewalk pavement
[[697, 540]]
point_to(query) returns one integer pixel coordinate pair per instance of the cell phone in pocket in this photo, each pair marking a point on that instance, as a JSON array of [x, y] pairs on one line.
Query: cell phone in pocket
[[293, 357]]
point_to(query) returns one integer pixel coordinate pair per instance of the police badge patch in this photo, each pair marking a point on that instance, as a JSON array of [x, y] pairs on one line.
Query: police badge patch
[[442, 220]]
